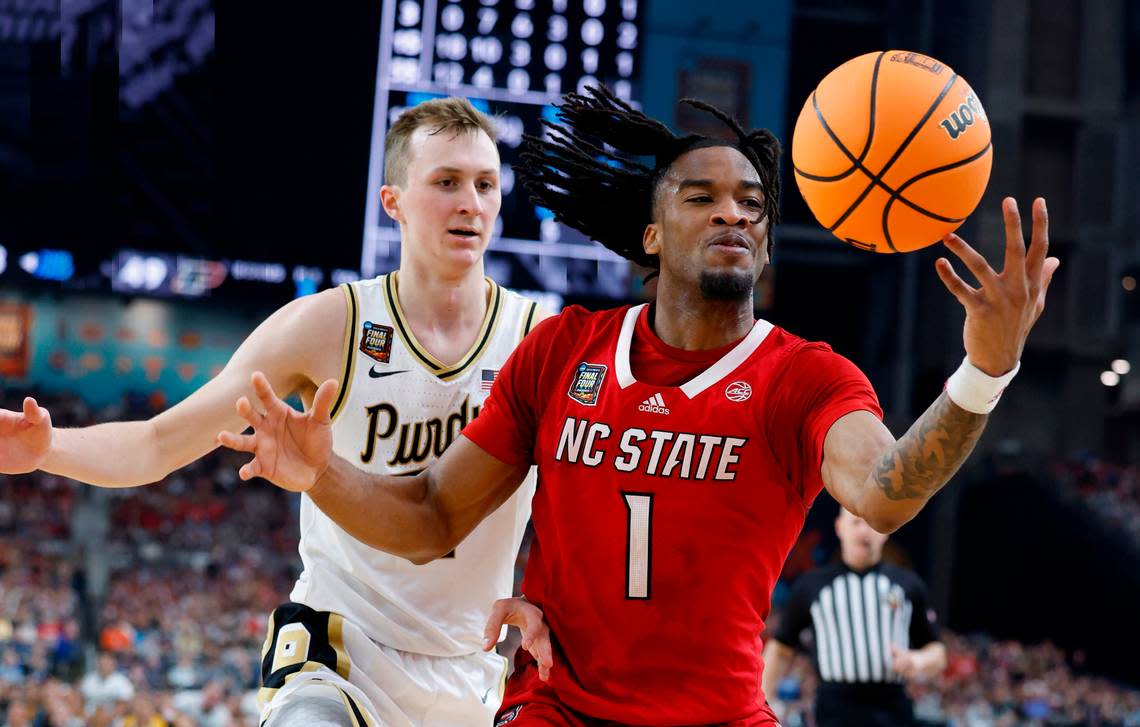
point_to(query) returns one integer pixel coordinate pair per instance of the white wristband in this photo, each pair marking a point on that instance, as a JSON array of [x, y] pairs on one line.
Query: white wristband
[[976, 391]]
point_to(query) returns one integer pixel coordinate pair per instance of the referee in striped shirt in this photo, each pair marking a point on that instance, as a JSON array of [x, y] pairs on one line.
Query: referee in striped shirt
[[872, 632]]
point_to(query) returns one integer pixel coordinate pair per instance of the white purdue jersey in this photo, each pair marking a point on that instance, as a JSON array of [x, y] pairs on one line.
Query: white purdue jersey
[[397, 411]]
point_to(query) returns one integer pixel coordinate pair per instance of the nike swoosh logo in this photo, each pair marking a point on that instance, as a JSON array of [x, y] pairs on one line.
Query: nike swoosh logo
[[486, 694], [372, 372]]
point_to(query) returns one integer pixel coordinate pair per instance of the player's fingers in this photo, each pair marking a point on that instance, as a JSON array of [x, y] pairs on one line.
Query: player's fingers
[[973, 259], [238, 442], [530, 627], [1012, 219], [250, 469], [542, 652], [246, 411], [525, 615], [495, 623], [33, 412], [264, 391], [1050, 268], [1039, 246], [1014, 265], [957, 287], [323, 401], [535, 634]]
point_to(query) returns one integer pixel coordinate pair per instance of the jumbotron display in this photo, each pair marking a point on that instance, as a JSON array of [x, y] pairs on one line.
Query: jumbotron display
[[513, 59]]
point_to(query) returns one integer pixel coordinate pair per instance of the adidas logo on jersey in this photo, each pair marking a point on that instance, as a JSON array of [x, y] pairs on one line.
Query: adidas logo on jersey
[[654, 405]]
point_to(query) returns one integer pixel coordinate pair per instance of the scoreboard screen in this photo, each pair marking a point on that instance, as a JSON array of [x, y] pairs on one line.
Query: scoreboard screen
[[512, 59]]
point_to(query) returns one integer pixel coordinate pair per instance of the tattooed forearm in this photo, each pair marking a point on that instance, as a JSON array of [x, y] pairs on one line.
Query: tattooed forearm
[[930, 452]]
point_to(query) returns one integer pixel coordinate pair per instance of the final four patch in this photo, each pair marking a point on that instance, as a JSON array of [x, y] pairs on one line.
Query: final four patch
[[587, 383], [376, 341]]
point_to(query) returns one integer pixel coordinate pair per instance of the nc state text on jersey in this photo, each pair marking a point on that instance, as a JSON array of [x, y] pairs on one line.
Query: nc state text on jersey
[[686, 455]]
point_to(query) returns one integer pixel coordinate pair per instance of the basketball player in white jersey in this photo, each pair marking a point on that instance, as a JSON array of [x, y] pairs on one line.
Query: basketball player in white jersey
[[366, 638]]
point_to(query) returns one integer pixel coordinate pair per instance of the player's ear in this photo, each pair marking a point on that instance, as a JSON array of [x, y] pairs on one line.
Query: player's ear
[[651, 239], [390, 200]]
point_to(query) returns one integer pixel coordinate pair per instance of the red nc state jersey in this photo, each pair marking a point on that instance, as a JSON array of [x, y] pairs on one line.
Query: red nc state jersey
[[663, 514]]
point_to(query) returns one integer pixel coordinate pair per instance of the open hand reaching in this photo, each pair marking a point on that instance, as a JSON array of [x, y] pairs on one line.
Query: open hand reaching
[[1000, 313], [291, 449]]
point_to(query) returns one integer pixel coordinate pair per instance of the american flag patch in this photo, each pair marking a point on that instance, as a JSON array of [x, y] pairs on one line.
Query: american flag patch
[[487, 378]]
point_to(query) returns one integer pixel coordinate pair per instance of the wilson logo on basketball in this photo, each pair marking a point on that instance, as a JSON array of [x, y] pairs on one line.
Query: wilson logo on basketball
[[957, 122], [738, 391]]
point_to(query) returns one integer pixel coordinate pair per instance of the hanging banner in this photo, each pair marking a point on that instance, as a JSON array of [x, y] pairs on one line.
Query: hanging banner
[[15, 325]]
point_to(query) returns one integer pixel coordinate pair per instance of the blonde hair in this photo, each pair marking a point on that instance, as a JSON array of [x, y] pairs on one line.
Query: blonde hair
[[453, 114]]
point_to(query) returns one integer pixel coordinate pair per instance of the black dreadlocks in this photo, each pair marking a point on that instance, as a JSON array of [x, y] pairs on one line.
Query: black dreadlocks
[[609, 198]]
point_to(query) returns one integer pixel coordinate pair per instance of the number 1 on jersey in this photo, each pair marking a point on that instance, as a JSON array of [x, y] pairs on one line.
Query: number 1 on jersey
[[639, 529]]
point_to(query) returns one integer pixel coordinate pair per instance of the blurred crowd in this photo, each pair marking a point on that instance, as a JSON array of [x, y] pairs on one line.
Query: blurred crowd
[[990, 683], [1110, 490], [169, 584], [146, 607]]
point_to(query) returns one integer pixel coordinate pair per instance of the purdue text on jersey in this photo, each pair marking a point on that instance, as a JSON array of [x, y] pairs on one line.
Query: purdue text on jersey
[[418, 440]]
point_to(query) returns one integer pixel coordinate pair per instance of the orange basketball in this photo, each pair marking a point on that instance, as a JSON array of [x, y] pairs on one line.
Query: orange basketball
[[892, 151]]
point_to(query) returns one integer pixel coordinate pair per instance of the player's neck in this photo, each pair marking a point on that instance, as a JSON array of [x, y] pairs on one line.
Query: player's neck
[[687, 320], [445, 313]]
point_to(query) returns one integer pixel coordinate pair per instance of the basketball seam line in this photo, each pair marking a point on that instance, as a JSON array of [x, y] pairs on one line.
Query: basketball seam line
[[877, 178], [856, 164], [937, 170]]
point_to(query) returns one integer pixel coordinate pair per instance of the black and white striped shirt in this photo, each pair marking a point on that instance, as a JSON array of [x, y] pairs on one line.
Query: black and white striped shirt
[[855, 617]]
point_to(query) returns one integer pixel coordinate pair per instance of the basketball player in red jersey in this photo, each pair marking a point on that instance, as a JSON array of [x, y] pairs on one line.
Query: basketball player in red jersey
[[679, 444]]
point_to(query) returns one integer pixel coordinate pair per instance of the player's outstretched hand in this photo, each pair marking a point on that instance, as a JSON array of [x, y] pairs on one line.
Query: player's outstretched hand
[[291, 449], [529, 620], [25, 438], [1001, 312]]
